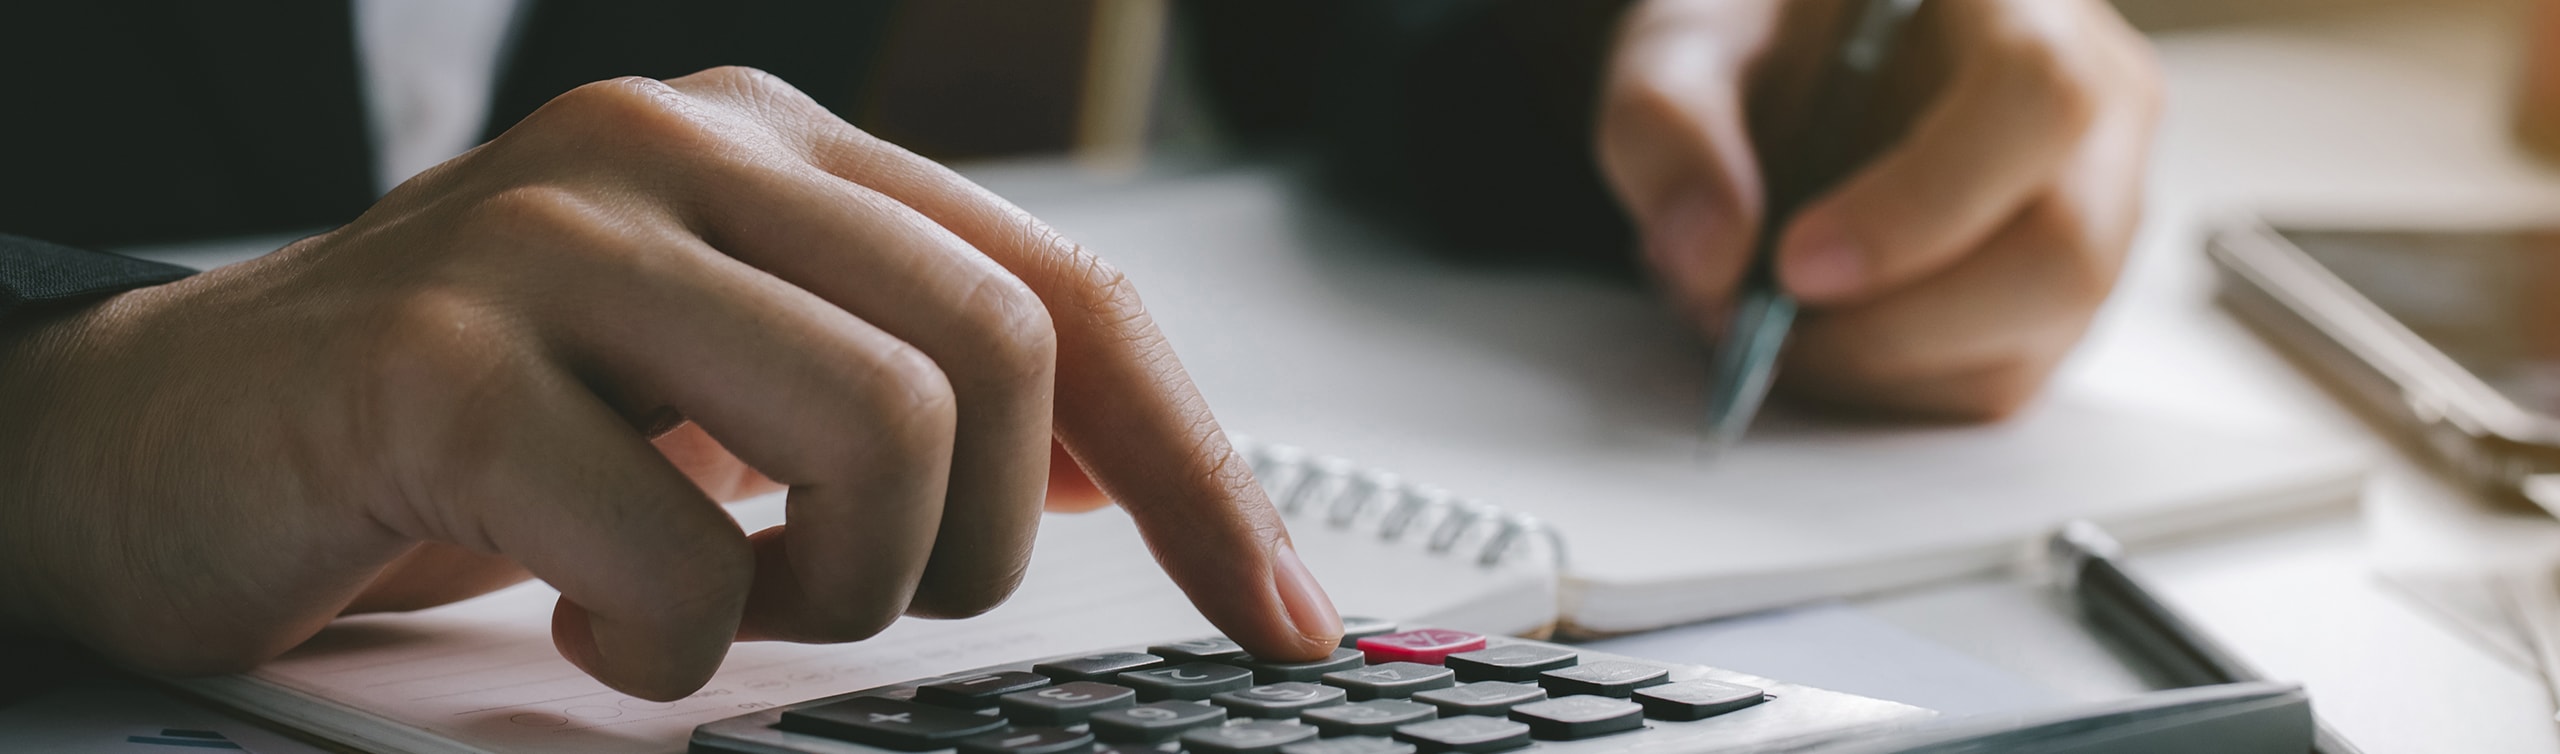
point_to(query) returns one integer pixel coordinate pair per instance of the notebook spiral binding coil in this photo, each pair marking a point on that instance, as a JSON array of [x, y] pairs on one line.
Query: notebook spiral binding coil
[[1344, 496]]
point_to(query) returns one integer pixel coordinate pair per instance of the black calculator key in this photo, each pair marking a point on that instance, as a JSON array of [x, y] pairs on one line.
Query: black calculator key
[[1278, 701], [1376, 717], [1112, 748], [1604, 678], [1212, 649], [1350, 745], [1494, 698], [1067, 703], [1248, 737], [1191, 680], [1355, 628], [1154, 721], [1028, 741], [1100, 667], [1471, 734], [1275, 672], [1509, 662], [1578, 717], [1697, 700], [978, 691], [889, 723], [1391, 680]]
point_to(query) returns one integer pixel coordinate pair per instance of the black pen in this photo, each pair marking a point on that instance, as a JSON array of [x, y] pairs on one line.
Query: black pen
[[1745, 357], [2113, 601]]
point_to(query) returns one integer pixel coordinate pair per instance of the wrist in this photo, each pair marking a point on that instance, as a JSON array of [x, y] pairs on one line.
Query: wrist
[[43, 352]]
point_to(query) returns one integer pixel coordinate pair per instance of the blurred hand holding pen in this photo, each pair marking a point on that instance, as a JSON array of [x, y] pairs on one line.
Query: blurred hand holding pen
[[1744, 359]]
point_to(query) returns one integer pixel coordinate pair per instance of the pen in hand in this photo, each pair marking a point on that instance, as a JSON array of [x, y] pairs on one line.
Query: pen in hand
[[1745, 355]]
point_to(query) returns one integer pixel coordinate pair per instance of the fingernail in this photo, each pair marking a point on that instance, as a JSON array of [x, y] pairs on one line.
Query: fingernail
[[1823, 261], [1679, 239], [1310, 609]]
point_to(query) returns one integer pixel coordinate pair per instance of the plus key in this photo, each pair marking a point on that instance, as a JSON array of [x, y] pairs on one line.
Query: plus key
[[1428, 646]]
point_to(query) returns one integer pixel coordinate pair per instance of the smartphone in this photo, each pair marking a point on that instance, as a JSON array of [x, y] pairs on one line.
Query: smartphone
[[2450, 336]]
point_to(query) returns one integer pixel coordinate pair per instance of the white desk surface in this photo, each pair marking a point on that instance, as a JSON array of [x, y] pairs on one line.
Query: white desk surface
[[2388, 108]]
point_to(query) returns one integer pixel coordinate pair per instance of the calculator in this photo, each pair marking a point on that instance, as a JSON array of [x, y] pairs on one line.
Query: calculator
[[1388, 690]]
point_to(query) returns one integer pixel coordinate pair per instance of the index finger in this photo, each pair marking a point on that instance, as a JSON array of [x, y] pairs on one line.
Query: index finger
[[1127, 411]]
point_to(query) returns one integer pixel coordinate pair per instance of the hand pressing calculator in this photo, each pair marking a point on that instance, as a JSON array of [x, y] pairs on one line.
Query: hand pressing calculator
[[1388, 691]]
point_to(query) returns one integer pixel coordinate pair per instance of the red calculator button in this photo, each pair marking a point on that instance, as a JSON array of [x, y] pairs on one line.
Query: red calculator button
[[1424, 645]]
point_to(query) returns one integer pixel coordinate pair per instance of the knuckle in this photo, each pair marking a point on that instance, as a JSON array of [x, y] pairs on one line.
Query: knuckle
[[760, 92], [2054, 78], [544, 213], [1021, 340], [1099, 291], [746, 80], [944, 598], [2037, 53], [632, 111], [915, 405], [741, 76], [557, 229]]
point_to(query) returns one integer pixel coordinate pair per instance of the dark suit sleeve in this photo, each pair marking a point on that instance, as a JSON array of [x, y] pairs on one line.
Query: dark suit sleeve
[[1471, 119], [35, 273]]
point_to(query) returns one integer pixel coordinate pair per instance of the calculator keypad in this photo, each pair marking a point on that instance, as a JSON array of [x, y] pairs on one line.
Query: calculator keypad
[[1454, 692]]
